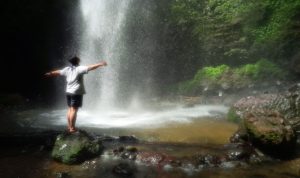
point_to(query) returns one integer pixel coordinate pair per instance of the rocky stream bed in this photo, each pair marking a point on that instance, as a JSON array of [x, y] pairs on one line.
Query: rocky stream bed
[[262, 143]]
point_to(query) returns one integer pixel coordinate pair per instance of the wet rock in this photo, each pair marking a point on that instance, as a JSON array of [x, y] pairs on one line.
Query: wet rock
[[128, 139], [270, 121], [105, 138], [239, 152], [259, 158], [234, 155], [118, 150], [250, 103], [188, 168], [286, 103], [129, 152], [62, 175], [75, 148], [156, 159], [120, 139], [124, 170], [175, 163], [132, 153], [231, 164], [268, 130], [208, 160], [131, 149], [150, 158], [167, 167], [239, 136], [92, 164]]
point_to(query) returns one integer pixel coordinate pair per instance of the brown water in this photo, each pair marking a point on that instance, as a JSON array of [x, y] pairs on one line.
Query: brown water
[[201, 136], [40, 166], [202, 131]]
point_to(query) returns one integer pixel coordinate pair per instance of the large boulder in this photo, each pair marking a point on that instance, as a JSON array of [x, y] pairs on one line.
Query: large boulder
[[268, 130], [72, 148], [287, 104], [269, 121]]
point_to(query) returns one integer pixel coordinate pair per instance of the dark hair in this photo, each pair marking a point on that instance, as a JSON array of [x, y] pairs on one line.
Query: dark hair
[[74, 61]]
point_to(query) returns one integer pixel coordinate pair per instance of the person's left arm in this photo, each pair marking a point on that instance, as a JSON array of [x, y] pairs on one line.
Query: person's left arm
[[53, 73], [97, 65]]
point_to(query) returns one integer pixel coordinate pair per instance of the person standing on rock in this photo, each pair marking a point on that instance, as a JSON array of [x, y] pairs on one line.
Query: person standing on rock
[[74, 86]]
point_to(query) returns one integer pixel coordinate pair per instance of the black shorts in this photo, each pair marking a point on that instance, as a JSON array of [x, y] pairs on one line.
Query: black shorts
[[74, 100]]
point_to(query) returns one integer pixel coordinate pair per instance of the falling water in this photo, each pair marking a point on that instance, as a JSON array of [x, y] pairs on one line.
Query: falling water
[[102, 29], [125, 34]]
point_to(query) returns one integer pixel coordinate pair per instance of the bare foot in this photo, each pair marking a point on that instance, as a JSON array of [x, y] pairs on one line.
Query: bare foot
[[72, 130]]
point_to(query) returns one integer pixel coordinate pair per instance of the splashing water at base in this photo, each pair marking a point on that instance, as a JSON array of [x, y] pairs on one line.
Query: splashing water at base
[[139, 118], [171, 124]]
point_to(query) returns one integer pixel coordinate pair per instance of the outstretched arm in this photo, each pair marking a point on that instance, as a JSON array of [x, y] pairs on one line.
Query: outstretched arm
[[52, 73], [95, 66]]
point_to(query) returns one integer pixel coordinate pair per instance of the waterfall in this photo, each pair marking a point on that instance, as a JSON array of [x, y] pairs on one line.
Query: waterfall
[[103, 22], [125, 34], [128, 34]]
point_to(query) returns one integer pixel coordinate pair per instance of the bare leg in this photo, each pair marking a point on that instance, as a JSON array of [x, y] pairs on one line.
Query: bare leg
[[69, 118], [73, 116]]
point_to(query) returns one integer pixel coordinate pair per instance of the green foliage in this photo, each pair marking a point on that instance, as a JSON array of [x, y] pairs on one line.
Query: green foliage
[[186, 12], [261, 70], [268, 29], [187, 87], [211, 73], [278, 19], [230, 10], [236, 52], [234, 77], [232, 116]]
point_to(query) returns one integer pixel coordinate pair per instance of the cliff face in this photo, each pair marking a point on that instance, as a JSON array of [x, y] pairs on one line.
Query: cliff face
[[34, 36]]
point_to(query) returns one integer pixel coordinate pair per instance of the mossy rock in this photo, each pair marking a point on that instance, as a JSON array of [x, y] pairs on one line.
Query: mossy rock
[[269, 130], [75, 148]]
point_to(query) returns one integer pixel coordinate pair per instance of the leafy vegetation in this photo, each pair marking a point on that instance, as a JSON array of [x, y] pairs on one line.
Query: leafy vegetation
[[262, 69], [233, 31], [226, 77], [232, 116], [205, 76], [279, 20], [240, 34]]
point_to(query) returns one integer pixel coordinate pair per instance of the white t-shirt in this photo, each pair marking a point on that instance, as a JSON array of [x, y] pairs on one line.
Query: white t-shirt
[[74, 78]]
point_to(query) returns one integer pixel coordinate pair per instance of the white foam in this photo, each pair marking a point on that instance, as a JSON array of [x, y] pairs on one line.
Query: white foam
[[129, 119]]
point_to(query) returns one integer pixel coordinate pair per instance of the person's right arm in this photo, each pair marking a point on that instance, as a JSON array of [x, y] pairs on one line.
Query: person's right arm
[[52, 73], [95, 66]]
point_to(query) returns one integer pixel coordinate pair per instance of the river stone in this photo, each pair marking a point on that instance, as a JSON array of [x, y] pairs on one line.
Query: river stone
[[269, 130], [75, 148], [286, 103], [124, 170]]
